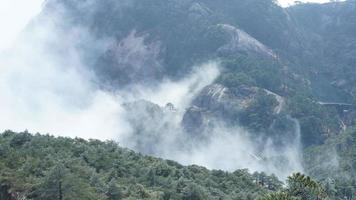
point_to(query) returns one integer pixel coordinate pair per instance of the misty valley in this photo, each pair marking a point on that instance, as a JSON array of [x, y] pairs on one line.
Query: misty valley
[[180, 99]]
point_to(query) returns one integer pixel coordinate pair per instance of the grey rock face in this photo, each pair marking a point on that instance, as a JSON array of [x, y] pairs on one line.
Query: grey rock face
[[194, 121], [218, 98], [216, 103], [241, 42]]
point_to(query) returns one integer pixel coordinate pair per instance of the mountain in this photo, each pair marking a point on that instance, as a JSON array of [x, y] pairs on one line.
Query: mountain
[[327, 30], [258, 43], [225, 84]]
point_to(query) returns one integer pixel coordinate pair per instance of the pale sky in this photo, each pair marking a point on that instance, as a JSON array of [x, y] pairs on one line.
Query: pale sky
[[285, 3], [15, 14]]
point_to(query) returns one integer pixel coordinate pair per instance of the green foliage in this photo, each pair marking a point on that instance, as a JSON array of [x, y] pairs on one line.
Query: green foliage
[[276, 196], [330, 46], [247, 70], [299, 187], [44, 167], [234, 80], [311, 41], [317, 122], [304, 187], [260, 114], [334, 164], [20, 139], [194, 192]]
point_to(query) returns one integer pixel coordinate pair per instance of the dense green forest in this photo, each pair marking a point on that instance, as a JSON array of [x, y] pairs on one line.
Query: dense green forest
[[285, 85], [45, 167]]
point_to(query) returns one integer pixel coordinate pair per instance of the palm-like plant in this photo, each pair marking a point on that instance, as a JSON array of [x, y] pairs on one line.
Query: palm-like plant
[[299, 187], [303, 186]]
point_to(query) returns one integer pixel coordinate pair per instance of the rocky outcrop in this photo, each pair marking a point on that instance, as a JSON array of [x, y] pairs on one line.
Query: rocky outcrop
[[281, 102], [216, 103], [198, 11], [217, 97], [195, 121], [241, 42]]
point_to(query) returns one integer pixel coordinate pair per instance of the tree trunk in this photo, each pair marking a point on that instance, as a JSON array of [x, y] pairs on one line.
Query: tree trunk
[[60, 195]]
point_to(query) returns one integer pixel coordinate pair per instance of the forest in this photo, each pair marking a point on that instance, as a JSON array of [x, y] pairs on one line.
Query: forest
[[46, 167], [180, 99]]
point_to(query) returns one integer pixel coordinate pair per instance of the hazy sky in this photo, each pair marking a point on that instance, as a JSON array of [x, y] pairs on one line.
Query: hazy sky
[[15, 14], [289, 2]]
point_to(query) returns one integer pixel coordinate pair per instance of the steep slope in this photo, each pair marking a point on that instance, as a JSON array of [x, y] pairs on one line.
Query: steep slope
[[170, 37], [259, 46], [328, 32], [335, 164], [282, 73]]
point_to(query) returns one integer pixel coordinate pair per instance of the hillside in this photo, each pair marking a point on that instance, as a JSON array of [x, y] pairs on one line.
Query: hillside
[[227, 85], [45, 167], [335, 163], [42, 167]]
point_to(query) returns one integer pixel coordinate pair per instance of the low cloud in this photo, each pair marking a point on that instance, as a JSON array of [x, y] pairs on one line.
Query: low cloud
[[46, 86]]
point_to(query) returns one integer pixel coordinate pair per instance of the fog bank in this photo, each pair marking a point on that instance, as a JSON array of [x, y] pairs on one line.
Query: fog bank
[[47, 86]]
